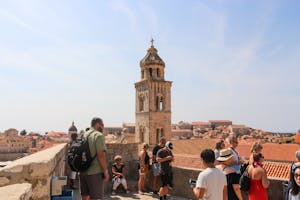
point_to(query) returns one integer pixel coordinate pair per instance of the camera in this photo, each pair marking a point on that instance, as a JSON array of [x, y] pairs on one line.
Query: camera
[[192, 183]]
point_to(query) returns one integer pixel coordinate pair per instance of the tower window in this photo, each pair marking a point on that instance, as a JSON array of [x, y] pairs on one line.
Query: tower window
[[157, 135], [141, 103], [158, 75], [159, 103], [162, 134], [150, 72], [141, 134]]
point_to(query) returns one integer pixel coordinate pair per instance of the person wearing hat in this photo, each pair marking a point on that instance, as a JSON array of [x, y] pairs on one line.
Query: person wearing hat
[[118, 172], [233, 188], [164, 156], [211, 183]]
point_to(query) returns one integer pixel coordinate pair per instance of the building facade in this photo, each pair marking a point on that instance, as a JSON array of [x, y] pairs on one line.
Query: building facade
[[153, 100]]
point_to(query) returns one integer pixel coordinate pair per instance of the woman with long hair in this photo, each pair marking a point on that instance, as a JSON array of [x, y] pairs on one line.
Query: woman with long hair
[[144, 161], [256, 148], [258, 179], [294, 192]]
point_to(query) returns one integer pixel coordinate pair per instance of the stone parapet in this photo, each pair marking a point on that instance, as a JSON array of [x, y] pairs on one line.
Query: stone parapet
[[36, 169], [21, 191]]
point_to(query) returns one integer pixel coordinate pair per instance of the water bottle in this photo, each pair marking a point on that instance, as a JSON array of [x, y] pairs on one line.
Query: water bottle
[[83, 157]]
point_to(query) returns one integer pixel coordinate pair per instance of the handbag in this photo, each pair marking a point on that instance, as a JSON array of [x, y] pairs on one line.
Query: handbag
[[244, 181]]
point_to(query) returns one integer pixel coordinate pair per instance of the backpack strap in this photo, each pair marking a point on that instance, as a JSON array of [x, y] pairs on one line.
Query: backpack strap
[[87, 139]]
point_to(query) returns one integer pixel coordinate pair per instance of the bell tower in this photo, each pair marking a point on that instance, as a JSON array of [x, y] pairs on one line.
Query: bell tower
[[153, 100]]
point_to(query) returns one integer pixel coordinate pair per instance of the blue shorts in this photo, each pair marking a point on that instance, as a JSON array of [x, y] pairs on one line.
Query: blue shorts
[[156, 169]]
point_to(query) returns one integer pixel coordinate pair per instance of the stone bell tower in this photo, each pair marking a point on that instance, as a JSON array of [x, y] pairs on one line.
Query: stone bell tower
[[152, 100]]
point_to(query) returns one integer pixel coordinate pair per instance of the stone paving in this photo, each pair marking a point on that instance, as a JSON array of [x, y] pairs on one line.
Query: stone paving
[[146, 196]]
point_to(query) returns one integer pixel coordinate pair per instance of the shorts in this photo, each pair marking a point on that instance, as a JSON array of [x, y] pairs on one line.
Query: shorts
[[166, 179], [156, 169], [72, 175], [92, 185]]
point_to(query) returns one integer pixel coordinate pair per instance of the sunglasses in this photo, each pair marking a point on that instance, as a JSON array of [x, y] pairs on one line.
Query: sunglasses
[[296, 175]]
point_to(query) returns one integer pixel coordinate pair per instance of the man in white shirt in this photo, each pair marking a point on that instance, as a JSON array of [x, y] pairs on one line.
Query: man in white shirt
[[211, 183]]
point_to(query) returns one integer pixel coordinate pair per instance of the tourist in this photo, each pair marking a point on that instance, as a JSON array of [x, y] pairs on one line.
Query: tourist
[[233, 188], [219, 146], [256, 148], [73, 174], [155, 164], [118, 172], [164, 156], [237, 160], [211, 183], [294, 191], [144, 161], [91, 180], [258, 179], [294, 165]]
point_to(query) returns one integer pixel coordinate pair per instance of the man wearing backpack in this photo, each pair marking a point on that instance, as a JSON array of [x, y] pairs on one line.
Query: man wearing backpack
[[91, 180]]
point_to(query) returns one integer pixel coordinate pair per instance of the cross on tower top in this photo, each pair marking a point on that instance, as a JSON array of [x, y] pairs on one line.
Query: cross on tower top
[[151, 42]]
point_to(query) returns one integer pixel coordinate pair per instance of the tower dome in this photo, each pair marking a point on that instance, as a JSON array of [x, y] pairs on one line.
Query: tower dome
[[73, 128], [152, 58], [152, 66]]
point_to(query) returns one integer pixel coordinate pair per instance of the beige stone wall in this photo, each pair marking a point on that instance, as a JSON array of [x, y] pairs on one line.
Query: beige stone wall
[[22, 191], [129, 153], [36, 169]]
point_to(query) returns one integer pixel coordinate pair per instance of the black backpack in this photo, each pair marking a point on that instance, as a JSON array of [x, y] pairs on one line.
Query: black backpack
[[79, 155]]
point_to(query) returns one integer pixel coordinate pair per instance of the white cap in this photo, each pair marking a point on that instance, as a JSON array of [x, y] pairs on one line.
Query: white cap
[[169, 145]]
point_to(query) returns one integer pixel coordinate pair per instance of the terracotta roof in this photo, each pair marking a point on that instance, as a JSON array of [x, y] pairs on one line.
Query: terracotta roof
[[272, 151], [278, 170], [193, 146], [181, 131], [275, 170], [220, 121], [200, 123]]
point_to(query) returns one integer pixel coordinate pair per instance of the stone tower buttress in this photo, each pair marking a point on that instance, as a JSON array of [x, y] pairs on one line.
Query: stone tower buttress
[[153, 100]]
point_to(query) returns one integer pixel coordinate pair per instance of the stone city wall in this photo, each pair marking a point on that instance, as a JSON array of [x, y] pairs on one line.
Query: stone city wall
[[36, 169], [129, 153]]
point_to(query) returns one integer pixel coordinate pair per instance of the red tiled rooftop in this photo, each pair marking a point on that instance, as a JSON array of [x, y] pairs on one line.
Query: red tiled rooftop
[[220, 121], [272, 151], [275, 170], [181, 131], [200, 123]]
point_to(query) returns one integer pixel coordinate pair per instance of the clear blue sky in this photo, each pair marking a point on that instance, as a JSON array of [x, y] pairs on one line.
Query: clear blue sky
[[71, 60]]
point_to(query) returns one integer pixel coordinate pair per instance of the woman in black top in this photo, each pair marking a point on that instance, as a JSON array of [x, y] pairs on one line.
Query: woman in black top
[[144, 161], [118, 172]]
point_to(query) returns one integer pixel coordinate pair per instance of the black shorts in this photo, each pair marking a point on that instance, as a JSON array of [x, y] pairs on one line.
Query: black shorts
[[166, 179]]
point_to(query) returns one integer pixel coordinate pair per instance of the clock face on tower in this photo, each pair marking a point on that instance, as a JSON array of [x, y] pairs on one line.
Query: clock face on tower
[[142, 87]]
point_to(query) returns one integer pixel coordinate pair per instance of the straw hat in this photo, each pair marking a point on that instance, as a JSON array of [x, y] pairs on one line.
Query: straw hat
[[225, 154]]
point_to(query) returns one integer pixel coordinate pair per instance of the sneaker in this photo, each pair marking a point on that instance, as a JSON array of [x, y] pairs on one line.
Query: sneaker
[[141, 192], [113, 193]]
